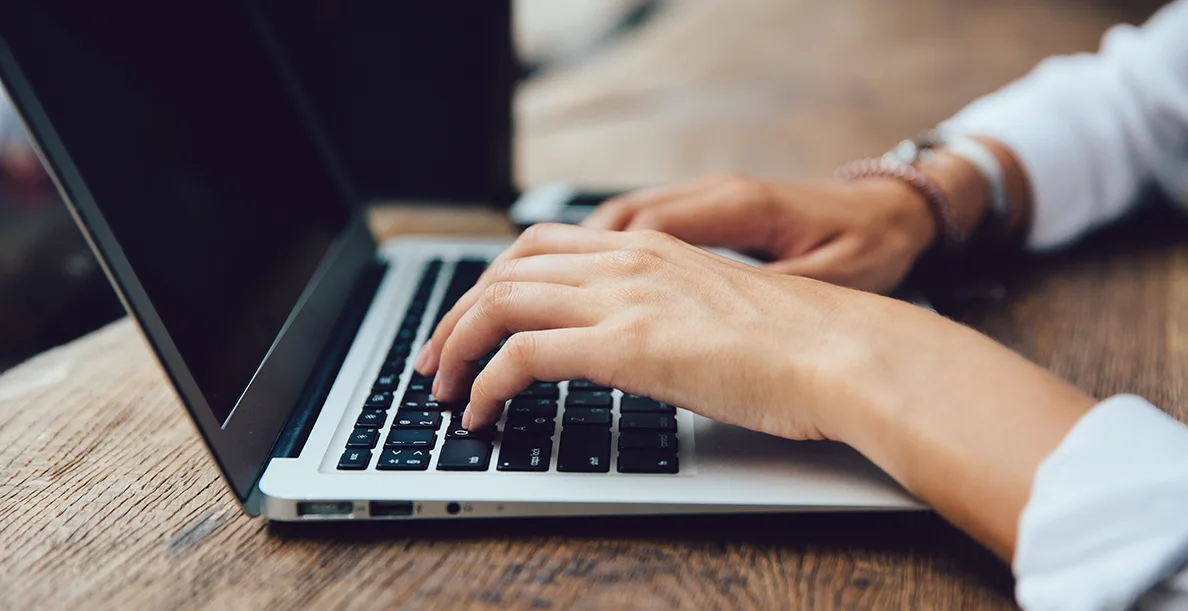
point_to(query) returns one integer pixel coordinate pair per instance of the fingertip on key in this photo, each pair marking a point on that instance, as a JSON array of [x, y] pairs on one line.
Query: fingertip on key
[[423, 359]]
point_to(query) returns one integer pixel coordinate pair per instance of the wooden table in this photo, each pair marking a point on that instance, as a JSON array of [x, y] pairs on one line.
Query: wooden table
[[108, 499]]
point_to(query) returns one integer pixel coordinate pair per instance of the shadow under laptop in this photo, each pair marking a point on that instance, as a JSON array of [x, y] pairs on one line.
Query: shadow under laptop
[[851, 535]]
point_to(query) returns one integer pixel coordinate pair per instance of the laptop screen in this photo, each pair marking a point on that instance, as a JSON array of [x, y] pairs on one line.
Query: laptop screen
[[185, 134]]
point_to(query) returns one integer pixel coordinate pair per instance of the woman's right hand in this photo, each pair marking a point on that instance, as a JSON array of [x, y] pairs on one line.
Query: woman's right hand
[[959, 420]]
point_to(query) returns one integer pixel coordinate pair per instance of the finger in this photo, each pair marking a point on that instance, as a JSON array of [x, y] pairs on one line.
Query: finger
[[827, 263], [504, 309], [541, 239], [711, 218], [615, 214], [552, 356]]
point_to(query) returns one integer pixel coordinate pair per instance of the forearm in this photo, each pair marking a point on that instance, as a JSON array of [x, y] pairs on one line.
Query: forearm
[[963, 423]]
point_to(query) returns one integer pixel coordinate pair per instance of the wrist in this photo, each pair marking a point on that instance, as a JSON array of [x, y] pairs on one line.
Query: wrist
[[963, 185]]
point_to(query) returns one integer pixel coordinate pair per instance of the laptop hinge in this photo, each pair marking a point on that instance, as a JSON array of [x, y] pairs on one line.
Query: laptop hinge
[[317, 388]]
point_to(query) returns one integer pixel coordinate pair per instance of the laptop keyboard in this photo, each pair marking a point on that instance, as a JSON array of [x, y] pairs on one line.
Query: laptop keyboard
[[408, 431]]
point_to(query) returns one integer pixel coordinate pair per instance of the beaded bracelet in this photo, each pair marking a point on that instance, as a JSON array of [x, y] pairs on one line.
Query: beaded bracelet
[[952, 236]]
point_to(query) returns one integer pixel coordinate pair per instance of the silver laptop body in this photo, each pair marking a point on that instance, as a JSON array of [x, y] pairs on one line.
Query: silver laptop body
[[190, 159]]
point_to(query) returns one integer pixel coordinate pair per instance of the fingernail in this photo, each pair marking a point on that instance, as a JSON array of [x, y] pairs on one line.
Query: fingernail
[[423, 358], [436, 386], [466, 418]]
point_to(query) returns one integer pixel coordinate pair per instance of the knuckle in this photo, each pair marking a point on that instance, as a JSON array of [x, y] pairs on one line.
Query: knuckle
[[497, 296], [634, 261], [535, 233], [520, 348], [504, 270], [657, 239]]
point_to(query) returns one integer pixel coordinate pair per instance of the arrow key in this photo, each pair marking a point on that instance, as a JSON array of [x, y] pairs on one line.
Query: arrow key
[[403, 459]]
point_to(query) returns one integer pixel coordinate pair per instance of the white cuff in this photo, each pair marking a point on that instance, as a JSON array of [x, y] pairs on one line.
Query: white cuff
[[1108, 515]]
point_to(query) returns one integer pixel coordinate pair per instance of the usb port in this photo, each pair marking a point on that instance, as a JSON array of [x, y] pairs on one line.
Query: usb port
[[391, 509], [324, 509]]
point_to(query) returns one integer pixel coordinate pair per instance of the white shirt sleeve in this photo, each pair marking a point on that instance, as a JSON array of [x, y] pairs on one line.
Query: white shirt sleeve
[[1106, 526], [1092, 130]]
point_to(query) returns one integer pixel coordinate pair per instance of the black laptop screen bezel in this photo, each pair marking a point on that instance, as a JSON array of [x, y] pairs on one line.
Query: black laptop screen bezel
[[243, 445]]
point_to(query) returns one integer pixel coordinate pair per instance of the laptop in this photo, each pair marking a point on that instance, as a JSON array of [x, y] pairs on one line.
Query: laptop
[[190, 159]]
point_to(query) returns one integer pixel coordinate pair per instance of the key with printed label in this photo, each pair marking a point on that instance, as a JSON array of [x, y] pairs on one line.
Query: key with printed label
[[457, 431], [411, 438], [647, 461], [594, 416], [464, 455], [584, 449], [403, 459], [379, 400], [532, 407], [416, 419], [420, 401], [588, 399], [354, 460], [371, 419], [385, 382], [541, 390], [638, 404], [647, 440], [526, 453], [651, 422], [362, 439], [529, 426]]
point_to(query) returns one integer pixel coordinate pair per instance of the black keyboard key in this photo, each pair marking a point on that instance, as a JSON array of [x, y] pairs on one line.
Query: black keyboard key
[[403, 459], [379, 400], [648, 461], [385, 382], [411, 438], [525, 454], [648, 422], [406, 335], [594, 416], [466, 273], [419, 387], [362, 439], [586, 385], [421, 402], [647, 440], [393, 366], [588, 399], [638, 404], [584, 449], [538, 425], [415, 419], [354, 460], [371, 419], [541, 390], [456, 430], [400, 351], [464, 455], [530, 407]]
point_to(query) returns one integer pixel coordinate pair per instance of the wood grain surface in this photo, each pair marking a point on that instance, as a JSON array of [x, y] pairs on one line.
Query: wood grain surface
[[109, 500]]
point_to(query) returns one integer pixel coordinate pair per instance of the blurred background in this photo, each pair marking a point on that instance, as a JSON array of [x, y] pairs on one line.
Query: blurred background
[[466, 103]]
